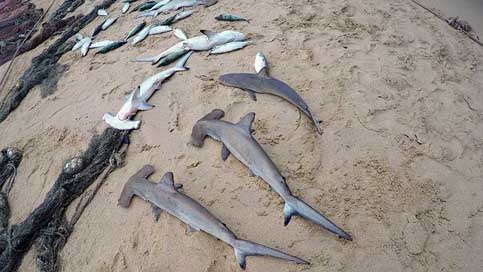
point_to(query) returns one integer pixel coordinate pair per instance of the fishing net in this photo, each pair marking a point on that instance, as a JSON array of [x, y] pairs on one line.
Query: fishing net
[[47, 223], [17, 18], [45, 62]]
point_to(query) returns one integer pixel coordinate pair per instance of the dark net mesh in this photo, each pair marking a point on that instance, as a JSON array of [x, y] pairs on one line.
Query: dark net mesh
[[47, 222], [45, 62]]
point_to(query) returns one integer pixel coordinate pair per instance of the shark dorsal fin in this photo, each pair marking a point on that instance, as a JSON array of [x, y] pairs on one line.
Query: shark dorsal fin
[[167, 182], [246, 122], [208, 33], [134, 95]]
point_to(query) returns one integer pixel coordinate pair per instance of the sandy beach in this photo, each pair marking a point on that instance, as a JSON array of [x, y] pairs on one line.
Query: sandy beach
[[399, 166]]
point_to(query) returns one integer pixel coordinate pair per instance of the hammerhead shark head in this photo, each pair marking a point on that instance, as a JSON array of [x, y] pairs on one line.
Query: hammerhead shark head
[[237, 139], [166, 196], [262, 83]]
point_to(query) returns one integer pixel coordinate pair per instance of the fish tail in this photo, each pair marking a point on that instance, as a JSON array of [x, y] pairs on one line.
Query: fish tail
[[245, 248], [295, 206], [181, 63]]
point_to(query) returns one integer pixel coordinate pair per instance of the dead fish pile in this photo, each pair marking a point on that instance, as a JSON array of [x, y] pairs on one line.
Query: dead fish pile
[[169, 5], [222, 42]]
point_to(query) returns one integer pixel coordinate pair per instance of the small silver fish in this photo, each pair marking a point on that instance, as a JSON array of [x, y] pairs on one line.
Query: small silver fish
[[78, 44], [172, 57], [159, 4], [85, 46], [101, 12], [135, 30], [229, 47], [159, 29], [100, 44], [183, 14], [97, 29], [152, 13], [125, 8], [180, 34], [109, 22], [230, 18], [141, 35], [260, 62], [111, 47]]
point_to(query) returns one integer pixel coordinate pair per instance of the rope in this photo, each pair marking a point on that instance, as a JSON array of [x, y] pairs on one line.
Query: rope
[[442, 18], [11, 179]]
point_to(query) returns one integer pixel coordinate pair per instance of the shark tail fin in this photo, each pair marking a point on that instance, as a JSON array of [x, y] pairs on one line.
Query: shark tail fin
[[245, 248], [198, 133], [294, 206], [128, 191], [181, 63]]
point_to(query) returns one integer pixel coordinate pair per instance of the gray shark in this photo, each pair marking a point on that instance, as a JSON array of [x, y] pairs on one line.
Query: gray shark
[[262, 83], [165, 196], [237, 139]]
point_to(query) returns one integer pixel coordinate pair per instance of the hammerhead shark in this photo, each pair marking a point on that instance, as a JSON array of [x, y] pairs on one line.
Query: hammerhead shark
[[166, 196], [237, 139], [262, 83]]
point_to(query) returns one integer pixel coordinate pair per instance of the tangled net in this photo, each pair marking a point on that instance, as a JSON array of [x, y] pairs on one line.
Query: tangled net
[[47, 223], [45, 62]]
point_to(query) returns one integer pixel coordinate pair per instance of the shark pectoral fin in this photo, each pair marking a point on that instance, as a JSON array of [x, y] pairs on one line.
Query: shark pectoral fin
[[190, 229], [252, 94], [263, 72], [224, 152], [247, 121], [208, 33], [244, 248], [250, 173], [241, 259], [288, 212], [156, 212], [144, 106]]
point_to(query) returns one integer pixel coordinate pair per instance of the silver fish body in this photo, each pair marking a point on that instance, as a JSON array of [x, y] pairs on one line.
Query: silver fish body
[[141, 35], [85, 46], [183, 14], [100, 44], [230, 18], [109, 22], [78, 44], [159, 4], [135, 30], [172, 57], [159, 29], [229, 47], [180, 34], [125, 8], [101, 12], [111, 46], [260, 62]]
